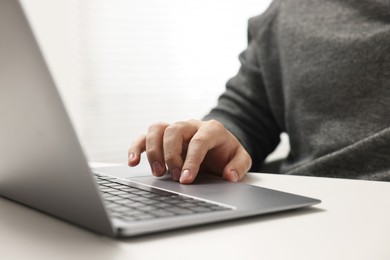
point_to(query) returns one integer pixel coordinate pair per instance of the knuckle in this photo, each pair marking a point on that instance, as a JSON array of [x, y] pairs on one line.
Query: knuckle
[[171, 158], [192, 163], [193, 121], [173, 129], [181, 126], [153, 151], [199, 140], [157, 126], [215, 124]]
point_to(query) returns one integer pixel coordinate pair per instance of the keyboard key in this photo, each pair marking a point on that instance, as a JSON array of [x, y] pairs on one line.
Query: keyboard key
[[134, 204], [200, 209], [179, 211], [162, 213]]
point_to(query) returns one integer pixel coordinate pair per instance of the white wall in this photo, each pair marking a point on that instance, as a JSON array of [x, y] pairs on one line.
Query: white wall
[[122, 65]]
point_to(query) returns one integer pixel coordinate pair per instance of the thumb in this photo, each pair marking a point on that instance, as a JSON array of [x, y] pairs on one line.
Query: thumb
[[238, 166]]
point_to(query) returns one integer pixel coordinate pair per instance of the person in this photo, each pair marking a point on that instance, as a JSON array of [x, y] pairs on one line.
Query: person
[[317, 70]]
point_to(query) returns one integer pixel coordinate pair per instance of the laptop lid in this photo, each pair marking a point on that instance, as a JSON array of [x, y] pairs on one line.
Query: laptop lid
[[42, 163]]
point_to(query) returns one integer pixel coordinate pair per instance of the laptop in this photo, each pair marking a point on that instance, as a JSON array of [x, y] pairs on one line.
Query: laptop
[[43, 165]]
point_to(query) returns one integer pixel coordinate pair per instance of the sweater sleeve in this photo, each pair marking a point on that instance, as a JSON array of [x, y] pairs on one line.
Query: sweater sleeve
[[244, 107]]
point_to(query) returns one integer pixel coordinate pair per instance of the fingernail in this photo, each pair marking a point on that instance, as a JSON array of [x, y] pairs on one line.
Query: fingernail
[[185, 176], [234, 175], [158, 169], [175, 174], [131, 156]]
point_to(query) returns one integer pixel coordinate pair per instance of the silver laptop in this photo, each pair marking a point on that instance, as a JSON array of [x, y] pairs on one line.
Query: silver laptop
[[43, 165]]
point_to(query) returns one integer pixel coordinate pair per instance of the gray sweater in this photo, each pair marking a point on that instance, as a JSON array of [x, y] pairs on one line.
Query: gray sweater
[[318, 70]]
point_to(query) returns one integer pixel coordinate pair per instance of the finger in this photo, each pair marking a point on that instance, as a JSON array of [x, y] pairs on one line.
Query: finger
[[238, 166], [154, 148], [135, 150], [205, 139], [175, 137]]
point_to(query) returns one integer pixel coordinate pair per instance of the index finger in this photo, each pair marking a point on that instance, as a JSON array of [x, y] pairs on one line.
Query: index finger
[[204, 140]]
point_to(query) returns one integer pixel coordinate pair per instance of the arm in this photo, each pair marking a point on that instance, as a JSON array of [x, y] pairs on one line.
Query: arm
[[244, 108]]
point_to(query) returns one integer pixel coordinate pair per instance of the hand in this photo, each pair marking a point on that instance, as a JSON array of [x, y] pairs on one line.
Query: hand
[[187, 147]]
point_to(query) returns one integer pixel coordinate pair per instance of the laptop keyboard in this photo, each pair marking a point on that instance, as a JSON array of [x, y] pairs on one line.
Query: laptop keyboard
[[129, 203]]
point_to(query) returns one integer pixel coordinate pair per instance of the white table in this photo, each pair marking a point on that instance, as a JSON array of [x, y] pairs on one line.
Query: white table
[[352, 222]]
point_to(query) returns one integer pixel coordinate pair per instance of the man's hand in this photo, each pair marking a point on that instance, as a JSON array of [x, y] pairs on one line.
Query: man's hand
[[186, 148]]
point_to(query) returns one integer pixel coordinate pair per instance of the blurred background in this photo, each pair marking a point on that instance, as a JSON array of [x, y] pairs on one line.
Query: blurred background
[[122, 65]]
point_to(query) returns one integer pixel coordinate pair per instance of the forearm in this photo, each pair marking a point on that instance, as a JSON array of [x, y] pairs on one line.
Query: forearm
[[244, 110]]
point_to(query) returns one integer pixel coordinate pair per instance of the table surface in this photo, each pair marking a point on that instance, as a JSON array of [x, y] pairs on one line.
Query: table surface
[[352, 222]]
